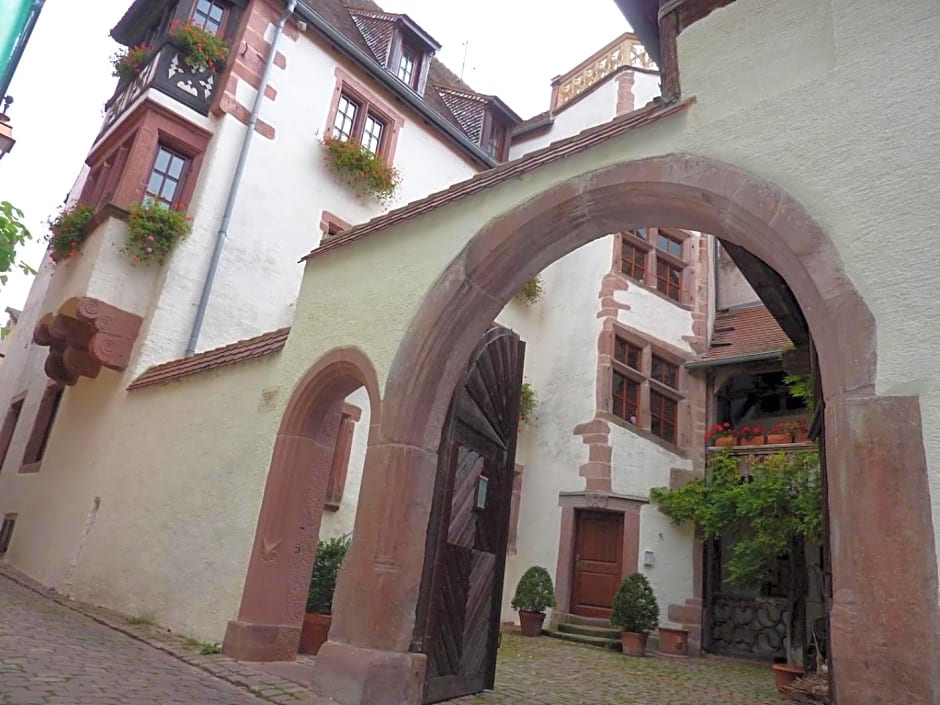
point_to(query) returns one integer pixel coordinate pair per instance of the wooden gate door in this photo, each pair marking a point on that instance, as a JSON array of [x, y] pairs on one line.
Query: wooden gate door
[[458, 613], [598, 563]]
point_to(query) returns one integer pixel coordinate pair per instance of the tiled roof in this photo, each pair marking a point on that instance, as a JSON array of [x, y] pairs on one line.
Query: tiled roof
[[261, 345], [745, 332], [553, 152], [468, 108]]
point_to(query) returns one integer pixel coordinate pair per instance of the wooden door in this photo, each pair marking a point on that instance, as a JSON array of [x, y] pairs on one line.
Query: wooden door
[[458, 613], [598, 562]]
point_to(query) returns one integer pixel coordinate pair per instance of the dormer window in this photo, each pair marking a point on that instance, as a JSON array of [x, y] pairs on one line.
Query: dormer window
[[407, 67], [209, 15], [495, 144]]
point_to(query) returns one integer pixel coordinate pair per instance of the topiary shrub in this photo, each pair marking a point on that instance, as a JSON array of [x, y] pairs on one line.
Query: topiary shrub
[[535, 591], [635, 607], [330, 555]]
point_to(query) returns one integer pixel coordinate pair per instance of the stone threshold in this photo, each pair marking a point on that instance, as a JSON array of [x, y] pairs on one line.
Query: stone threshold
[[261, 680]]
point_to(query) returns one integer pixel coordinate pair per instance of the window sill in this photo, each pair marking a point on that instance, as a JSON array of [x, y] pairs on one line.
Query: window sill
[[29, 468], [643, 433], [653, 290]]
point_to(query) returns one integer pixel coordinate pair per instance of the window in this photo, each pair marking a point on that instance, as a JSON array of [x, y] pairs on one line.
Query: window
[[665, 372], [626, 398], [166, 177], [669, 279], [42, 426], [209, 15], [663, 416], [6, 532], [654, 257], [495, 144], [633, 261], [357, 123], [646, 386], [342, 450], [627, 353], [407, 67], [9, 426]]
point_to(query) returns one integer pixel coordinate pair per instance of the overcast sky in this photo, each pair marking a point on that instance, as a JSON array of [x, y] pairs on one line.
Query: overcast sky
[[513, 49]]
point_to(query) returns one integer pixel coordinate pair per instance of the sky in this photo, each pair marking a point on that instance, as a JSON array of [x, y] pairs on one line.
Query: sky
[[510, 48]]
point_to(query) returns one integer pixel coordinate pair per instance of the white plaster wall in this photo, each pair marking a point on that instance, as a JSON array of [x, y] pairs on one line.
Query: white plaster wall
[[645, 88], [277, 216], [649, 312], [340, 522], [733, 288], [671, 575]]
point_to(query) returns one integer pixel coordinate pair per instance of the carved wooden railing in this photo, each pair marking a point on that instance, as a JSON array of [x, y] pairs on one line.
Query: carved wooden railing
[[623, 51], [167, 71], [749, 456]]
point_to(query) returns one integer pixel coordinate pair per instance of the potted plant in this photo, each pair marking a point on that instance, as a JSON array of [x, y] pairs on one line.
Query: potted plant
[[721, 434], [750, 436], [779, 434], [365, 172], [153, 231], [800, 431], [636, 612], [534, 594], [69, 230], [317, 620], [202, 50], [128, 63]]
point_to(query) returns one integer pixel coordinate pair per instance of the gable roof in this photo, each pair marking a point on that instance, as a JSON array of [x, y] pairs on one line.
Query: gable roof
[[259, 346], [553, 152], [749, 332]]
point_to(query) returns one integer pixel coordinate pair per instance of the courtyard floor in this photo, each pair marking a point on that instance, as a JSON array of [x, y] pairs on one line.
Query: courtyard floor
[[56, 652]]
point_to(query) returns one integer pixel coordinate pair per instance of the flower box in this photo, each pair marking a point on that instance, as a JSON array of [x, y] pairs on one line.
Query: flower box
[[725, 441], [755, 441], [779, 438]]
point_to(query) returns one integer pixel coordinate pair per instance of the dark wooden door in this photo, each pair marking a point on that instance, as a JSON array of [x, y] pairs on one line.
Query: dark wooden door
[[458, 613], [598, 562]]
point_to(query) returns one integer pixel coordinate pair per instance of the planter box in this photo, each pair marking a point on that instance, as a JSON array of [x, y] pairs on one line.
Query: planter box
[[724, 441], [785, 675], [800, 437], [673, 642], [531, 622], [314, 632], [779, 438], [757, 441], [633, 644]]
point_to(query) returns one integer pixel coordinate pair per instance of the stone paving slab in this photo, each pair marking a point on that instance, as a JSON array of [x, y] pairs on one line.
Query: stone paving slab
[[545, 671]]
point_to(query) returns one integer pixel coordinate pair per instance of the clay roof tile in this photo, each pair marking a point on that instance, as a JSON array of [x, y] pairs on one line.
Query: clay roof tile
[[744, 332]]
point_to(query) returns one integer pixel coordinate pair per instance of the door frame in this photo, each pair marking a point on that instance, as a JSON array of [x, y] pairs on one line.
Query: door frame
[[578, 515]]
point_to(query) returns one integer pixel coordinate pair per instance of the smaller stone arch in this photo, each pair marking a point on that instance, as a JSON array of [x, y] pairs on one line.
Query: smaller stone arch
[[273, 600]]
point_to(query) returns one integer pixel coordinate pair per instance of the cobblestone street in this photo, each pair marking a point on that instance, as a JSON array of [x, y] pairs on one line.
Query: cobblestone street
[[53, 655], [545, 671]]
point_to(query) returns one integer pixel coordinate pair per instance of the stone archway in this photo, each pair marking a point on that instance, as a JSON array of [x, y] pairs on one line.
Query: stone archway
[[884, 577], [281, 561]]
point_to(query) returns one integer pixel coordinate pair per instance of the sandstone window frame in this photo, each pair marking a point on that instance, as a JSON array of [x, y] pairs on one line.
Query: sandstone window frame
[[226, 9], [342, 452], [368, 105], [647, 261], [6, 532], [43, 425]]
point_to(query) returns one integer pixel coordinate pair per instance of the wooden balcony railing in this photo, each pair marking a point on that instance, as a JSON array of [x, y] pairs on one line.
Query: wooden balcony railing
[[167, 71], [749, 456]]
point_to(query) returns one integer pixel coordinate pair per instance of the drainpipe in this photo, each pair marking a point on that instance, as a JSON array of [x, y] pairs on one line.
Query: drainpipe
[[236, 182]]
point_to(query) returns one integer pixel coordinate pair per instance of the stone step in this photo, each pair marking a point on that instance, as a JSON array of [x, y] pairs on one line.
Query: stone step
[[601, 642], [607, 632], [586, 621]]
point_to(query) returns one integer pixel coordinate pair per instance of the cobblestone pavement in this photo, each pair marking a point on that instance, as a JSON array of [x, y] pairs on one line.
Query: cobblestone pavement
[[53, 655], [545, 671]]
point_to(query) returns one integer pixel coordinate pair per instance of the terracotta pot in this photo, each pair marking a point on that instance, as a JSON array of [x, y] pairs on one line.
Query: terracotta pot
[[785, 675], [800, 436], [724, 441], [779, 438], [756, 441], [531, 622], [314, 632], [633, 644], [673, 642]]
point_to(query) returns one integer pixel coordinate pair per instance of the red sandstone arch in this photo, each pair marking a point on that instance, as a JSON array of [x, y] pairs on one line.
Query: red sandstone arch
[[885, 575], [275, 594]]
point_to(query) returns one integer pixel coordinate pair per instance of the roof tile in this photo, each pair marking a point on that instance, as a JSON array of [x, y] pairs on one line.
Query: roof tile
[[743, 332], [265, 344]]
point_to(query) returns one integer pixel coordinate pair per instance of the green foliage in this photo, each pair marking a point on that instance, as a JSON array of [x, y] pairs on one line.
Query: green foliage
[[69, 230], [127, 63], [202, 49], [12, 234], [140, 620], [208, 649], [779, 505], [801, 387], [153, 231], [330, 555], [635, 608], [528, 400], [535, 592], [531, 291], [365, 172]]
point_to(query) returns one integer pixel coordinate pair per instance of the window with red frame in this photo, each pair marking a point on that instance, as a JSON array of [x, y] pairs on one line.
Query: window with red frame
[[669, 279], [626, 397], [209, 15], [669, 244], [167, 175], [355, 121], [633, 261], [9, 426], [665, 372], [42, 426], [627, 353], [408, 67], [663, 413]]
